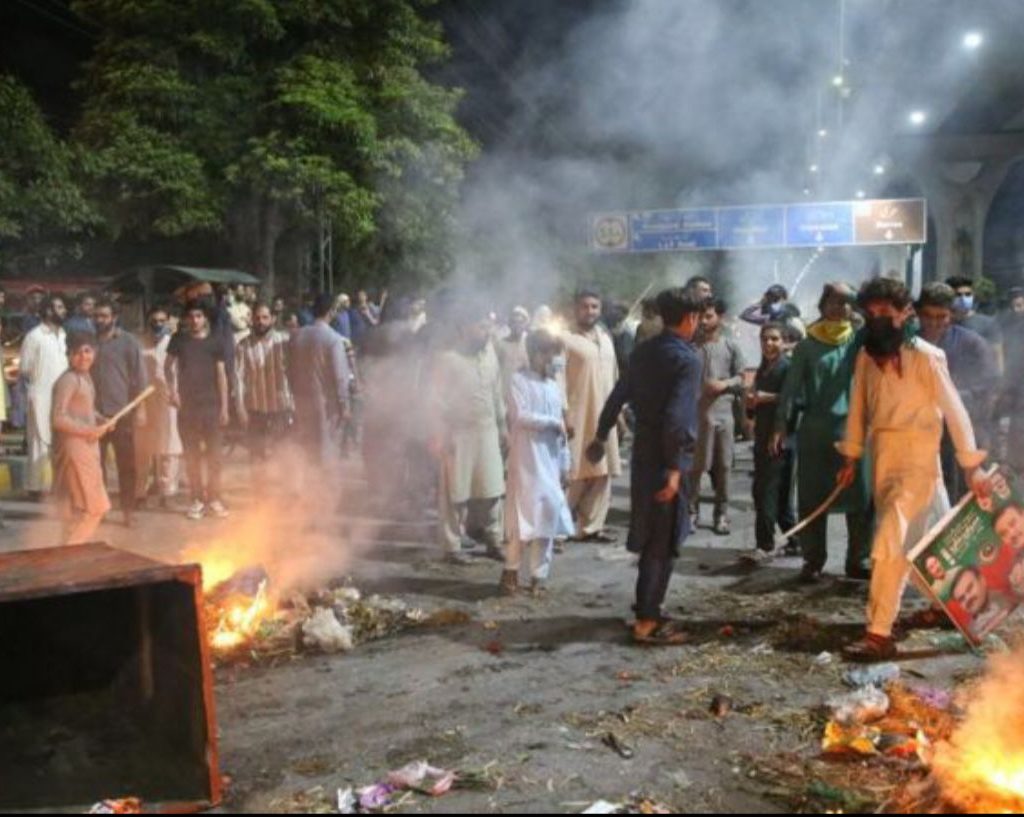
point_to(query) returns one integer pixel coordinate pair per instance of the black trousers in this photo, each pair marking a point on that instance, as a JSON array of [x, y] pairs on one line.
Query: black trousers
[[122, 440], [773, 495], [201, 439], [658, 561]]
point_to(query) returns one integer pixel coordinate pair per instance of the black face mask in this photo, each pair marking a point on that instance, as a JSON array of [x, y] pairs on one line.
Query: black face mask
[[883, 338]]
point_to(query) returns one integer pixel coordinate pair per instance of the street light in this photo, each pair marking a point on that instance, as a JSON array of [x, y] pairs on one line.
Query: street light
[[973, 40], [813, 168], [918, 118], [879, 169], [861, 194]]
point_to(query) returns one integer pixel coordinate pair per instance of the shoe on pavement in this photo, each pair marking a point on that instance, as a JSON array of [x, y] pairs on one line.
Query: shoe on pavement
[[218, 510], [722, 527], [810, 576], [196, 511]]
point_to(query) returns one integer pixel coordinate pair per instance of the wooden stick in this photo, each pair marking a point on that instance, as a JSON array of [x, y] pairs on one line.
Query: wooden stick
[[821, 511], [636, 308], [134, 404]]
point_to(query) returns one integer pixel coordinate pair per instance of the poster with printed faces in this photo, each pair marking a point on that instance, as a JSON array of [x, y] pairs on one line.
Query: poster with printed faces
[[972, 563]]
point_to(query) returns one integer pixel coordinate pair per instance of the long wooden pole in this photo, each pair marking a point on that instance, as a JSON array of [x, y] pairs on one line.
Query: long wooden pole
[[134, 404]]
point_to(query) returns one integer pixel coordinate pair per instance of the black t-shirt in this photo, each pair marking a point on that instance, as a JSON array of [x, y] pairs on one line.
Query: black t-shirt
[[197, 371]]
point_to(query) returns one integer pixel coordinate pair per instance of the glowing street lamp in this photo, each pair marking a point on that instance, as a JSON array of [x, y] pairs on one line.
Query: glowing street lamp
[[918, 118], [973, 40], [879, 169]]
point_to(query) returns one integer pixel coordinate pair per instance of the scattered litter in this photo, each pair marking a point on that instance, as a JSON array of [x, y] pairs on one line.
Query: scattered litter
[[376, 797], [447, 618], [721, 705], [854, 740], [877, 675], [934, 697], [826, 659], [764, 648], [423, 778], [728, 631], [623, 750], [866, 705], [347, 801], [126, 805], [494, 647], [323, 631], [603, 807]]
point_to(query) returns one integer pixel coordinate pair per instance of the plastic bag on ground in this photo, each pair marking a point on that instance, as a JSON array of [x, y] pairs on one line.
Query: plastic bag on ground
[[866, 705], [324, 632], [877, 675]]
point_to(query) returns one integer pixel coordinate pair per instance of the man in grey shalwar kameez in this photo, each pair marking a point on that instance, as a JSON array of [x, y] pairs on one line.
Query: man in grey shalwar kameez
[[318, 372]]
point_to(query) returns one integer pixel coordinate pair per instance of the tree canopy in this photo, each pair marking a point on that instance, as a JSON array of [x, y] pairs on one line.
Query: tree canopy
[[254, 123]]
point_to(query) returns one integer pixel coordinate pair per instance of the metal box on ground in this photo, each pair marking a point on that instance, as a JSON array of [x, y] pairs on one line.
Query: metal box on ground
[[106, 689]]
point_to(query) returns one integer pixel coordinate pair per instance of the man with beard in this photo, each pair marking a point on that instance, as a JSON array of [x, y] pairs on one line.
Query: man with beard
[[157, 442], [591, 373], [119, 375], [512, 349], [264, 398], [470, 435], [82, 322], [43, 359], [902, 396]]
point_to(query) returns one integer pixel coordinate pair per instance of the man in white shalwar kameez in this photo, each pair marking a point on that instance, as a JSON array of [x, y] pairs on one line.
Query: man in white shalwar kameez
[[591, 373], [536, 510], [44, 358], [902, 395], [470, 433]]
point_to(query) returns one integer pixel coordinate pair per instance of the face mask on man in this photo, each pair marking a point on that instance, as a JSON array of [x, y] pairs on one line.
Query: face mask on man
[[964, 303], [883, 338], [159, 330]]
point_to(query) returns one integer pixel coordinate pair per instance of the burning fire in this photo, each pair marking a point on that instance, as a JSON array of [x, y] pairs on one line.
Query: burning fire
[[981, 769], [240, 620]]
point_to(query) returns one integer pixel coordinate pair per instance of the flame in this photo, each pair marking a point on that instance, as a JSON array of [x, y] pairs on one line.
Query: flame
[[981, 768], [240, 621]]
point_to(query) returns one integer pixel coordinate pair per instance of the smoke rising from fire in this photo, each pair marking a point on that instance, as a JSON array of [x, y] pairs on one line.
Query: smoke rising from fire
[[647, 104]]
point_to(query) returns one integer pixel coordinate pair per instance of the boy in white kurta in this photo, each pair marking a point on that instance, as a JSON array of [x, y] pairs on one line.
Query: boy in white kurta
[[902, 395], [536, 508]]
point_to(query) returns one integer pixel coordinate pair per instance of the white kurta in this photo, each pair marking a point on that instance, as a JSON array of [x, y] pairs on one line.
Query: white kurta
[[536, 507], [591, 372], [470, 411], [897, 413], [44, 359]]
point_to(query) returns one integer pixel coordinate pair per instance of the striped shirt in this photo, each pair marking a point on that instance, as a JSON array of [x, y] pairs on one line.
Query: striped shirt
[[262, 372]]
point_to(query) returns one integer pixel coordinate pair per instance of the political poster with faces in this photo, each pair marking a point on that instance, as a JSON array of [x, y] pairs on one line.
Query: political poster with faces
[[972, 562]]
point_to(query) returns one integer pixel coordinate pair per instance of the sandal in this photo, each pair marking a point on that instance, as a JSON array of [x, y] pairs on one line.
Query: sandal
[[872, 649], [600, 538], [664, 635]]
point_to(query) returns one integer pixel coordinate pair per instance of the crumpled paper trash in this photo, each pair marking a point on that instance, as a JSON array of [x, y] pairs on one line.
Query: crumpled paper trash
[[422, 777], [323, 631], [877, 675], [127, 805], [866, 705]]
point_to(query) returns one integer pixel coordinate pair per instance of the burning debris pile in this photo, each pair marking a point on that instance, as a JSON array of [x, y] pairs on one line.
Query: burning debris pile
[[896, 747], [247, 620]]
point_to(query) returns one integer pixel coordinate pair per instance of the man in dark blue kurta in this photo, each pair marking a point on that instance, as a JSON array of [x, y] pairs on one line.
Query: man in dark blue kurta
[[663, 386]]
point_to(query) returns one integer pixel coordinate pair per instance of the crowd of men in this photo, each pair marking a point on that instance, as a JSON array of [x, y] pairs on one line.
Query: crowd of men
[[519, 441]]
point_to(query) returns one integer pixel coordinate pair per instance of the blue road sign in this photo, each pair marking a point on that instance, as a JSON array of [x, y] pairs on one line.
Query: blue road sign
[[819, 225], [674, 230], [751, 227]]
